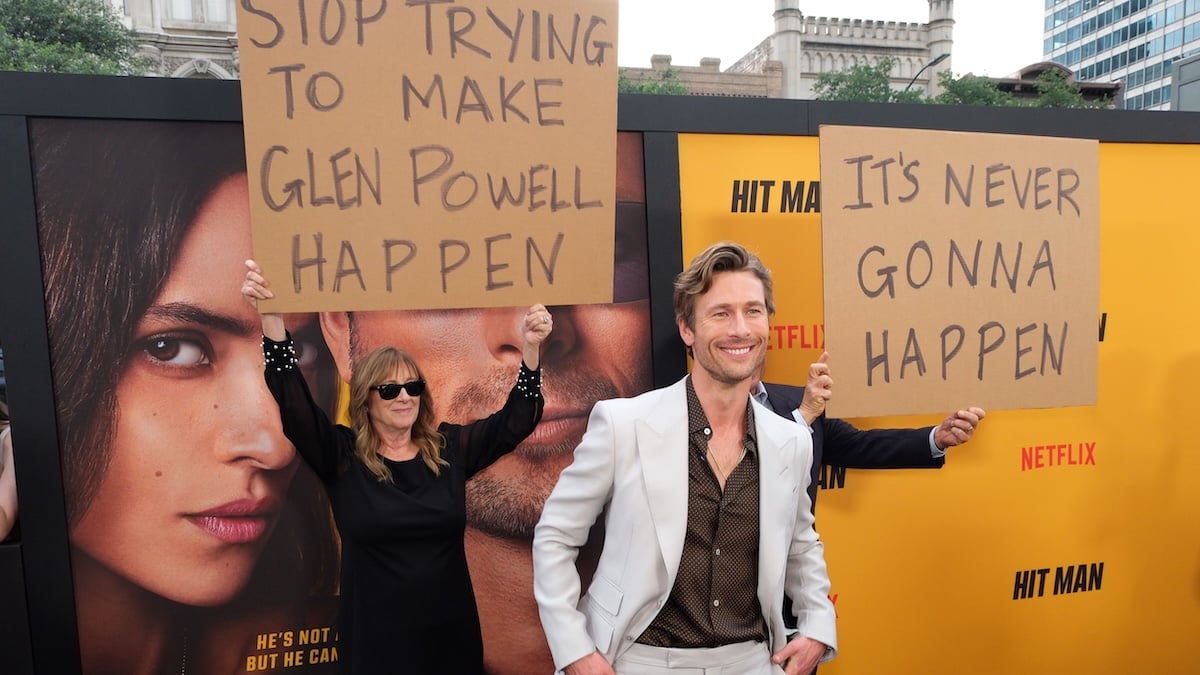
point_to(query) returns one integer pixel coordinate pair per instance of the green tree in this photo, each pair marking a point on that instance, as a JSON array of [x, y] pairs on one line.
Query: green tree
[[1055, 91], [971, 90], [661, 82], [870, 84], [66, 36]]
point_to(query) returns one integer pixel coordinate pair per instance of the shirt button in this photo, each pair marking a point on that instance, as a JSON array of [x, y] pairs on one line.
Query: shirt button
[[717, 552], [707, 431], [716, 603]]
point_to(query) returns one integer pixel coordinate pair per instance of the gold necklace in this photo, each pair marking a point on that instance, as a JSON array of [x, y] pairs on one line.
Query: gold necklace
[[183, 661], [721, 473]]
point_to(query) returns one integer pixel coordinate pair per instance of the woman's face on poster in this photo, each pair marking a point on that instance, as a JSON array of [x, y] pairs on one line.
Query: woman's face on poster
[[199, 466]]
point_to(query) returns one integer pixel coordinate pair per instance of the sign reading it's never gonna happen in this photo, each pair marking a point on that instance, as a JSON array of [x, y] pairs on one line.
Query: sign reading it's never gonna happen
[[960, 269]]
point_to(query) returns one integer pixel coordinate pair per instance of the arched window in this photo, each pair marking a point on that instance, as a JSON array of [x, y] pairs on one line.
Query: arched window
[[203, 69]]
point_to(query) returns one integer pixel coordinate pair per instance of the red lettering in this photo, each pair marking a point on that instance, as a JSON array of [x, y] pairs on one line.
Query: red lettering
[[1058, 454], [792, 336]]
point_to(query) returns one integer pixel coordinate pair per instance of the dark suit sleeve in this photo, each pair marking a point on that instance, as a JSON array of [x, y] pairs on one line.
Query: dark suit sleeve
[[847, 446], [839, 443]]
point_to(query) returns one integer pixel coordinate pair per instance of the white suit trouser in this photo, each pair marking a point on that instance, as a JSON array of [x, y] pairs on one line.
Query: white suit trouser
[[742, 658]]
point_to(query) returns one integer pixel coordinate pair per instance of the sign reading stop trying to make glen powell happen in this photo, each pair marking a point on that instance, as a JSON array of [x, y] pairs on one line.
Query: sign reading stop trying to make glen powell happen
[[960, 269], [430, 153]]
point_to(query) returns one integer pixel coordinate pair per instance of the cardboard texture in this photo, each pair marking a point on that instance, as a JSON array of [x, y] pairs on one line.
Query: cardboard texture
[[959, 269], [431, 154]]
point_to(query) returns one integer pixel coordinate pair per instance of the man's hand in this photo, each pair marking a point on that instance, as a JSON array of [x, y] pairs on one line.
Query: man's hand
[[957, 428], [592, 664], [818, 390], [799, 656]]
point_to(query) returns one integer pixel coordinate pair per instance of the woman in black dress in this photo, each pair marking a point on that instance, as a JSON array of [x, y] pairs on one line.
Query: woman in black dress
[[397, 483]]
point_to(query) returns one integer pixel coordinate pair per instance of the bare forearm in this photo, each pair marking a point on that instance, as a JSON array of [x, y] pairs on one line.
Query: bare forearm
[[535, 328], [532, 354], [273, 327], [255, 288]]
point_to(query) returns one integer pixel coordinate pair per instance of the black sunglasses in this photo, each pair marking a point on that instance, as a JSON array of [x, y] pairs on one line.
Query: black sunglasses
[[391, 390]]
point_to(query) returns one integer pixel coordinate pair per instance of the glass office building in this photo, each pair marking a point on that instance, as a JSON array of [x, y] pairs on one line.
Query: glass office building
[[1130, 41]]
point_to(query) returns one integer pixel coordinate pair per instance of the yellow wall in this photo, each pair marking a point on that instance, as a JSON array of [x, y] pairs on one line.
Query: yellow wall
[[924, 563]]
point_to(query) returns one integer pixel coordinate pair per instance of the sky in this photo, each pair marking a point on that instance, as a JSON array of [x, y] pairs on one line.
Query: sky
[[990, 38]]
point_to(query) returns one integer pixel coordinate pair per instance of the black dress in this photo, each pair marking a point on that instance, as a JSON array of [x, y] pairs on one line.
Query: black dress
[[406, 603]]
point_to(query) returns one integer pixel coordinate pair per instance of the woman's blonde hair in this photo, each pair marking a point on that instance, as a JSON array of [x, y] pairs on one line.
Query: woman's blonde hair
[[377, 368]]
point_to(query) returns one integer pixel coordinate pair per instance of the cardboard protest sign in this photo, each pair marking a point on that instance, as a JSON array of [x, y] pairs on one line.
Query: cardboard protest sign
[[431, 153], [960, 269]]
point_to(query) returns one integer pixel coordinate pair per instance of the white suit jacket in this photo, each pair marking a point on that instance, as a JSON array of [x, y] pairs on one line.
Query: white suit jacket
[[632, 466]]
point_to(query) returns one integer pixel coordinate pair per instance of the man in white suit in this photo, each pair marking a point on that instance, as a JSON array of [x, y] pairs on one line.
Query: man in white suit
[[706, 510]]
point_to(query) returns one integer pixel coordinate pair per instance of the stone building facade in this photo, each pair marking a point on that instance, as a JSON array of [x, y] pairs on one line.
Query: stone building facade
[[708, 80], [802, 47], [807, 46], [198, 38], [185, 38]]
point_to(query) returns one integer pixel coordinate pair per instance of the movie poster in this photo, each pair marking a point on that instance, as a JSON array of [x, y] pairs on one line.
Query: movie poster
[[199, 541], [1061, 531]]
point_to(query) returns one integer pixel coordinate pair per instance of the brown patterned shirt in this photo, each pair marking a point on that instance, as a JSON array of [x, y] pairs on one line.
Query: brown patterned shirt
[[715, 598]]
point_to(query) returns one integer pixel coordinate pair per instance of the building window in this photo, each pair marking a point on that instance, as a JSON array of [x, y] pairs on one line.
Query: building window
[[200, 11]]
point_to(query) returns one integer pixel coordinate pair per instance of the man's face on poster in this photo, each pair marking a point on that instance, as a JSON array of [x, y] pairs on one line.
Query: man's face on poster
[[470, 359]]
